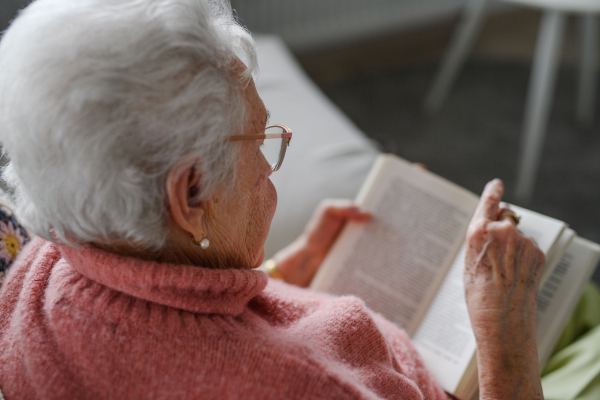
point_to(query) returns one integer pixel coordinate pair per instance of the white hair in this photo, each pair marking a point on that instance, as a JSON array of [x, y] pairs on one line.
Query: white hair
[[101, 99]]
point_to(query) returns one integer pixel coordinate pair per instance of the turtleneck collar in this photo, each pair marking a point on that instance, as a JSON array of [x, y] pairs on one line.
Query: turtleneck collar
[[190, 288]]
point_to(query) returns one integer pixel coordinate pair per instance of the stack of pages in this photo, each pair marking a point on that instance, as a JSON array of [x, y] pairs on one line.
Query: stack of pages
[[407, 263]]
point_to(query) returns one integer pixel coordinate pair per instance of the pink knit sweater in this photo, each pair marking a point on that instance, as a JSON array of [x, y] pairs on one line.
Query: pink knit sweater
[[87, 324]]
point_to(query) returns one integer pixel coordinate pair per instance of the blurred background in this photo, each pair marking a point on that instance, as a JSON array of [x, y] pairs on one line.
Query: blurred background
[[377, 60]]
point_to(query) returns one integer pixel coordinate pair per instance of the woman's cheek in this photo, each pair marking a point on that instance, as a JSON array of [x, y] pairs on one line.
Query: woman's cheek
[[272, 196]]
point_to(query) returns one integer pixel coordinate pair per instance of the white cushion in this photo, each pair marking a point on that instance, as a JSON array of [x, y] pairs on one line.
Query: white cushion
[[329, 157]]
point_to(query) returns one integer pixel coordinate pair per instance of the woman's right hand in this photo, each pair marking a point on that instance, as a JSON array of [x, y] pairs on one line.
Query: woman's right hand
[[299, 262], [502, 273]]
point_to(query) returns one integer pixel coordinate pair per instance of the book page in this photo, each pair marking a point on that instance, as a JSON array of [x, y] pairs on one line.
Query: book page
[[445, 338], [558, 296], [541, 228], [396, 261]]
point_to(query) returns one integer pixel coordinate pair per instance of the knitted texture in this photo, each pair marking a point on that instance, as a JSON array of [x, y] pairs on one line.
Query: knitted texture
[[87, 324]]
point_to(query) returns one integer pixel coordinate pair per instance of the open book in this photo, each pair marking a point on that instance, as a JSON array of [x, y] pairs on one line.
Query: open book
[[407, 264]]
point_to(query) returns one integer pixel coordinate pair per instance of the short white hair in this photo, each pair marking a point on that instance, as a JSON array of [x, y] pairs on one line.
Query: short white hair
[[101, 99]]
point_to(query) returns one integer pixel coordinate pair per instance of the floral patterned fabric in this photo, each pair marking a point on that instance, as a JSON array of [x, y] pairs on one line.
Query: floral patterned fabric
[[13, 237]]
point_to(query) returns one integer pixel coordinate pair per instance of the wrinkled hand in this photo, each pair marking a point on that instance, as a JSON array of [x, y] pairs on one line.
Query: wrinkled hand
[[502, 273], [503, 267], [299, 262]]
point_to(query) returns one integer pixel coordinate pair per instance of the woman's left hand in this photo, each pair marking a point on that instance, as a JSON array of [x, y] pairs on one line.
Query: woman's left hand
[[299, 262], [502, 274]]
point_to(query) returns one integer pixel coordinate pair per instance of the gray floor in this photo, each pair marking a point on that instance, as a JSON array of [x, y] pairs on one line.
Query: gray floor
[[476, 136]]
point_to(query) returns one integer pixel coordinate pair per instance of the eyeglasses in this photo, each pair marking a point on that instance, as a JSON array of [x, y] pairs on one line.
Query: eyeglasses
[[273, 149]]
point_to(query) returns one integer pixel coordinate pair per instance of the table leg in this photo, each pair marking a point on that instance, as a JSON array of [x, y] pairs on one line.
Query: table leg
[[539, 100], [454, 59]]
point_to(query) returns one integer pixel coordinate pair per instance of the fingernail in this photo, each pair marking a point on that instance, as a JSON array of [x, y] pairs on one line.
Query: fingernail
[[359, 212]]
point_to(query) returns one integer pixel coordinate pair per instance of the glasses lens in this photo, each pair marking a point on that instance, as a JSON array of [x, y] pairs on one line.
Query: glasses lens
[[271, 148]]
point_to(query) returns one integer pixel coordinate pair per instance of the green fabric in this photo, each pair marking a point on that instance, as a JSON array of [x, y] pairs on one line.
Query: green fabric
[[573, 370]]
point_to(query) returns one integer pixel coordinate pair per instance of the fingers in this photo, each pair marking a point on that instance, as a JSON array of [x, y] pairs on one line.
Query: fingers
[[353, 213], [358, 214], [490, 200], [329, 219], [503, 254], [342, 210]]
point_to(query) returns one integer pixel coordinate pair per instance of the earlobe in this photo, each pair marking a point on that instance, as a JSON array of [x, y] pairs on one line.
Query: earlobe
[[180, 187]]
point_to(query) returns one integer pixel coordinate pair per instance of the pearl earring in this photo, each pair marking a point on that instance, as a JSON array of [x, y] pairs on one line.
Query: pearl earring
[[203, 243]]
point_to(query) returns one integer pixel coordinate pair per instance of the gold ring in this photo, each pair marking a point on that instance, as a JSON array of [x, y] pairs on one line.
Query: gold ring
[[511, 214], [271, 269]]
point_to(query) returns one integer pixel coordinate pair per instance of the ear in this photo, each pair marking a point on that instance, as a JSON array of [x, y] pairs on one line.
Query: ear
[[186, 216]]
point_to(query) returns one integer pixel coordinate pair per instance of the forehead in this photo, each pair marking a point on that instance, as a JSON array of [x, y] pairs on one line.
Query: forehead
[[256, 113]]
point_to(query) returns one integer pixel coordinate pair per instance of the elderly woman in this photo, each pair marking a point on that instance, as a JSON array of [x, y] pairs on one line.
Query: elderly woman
[[135, 136]]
